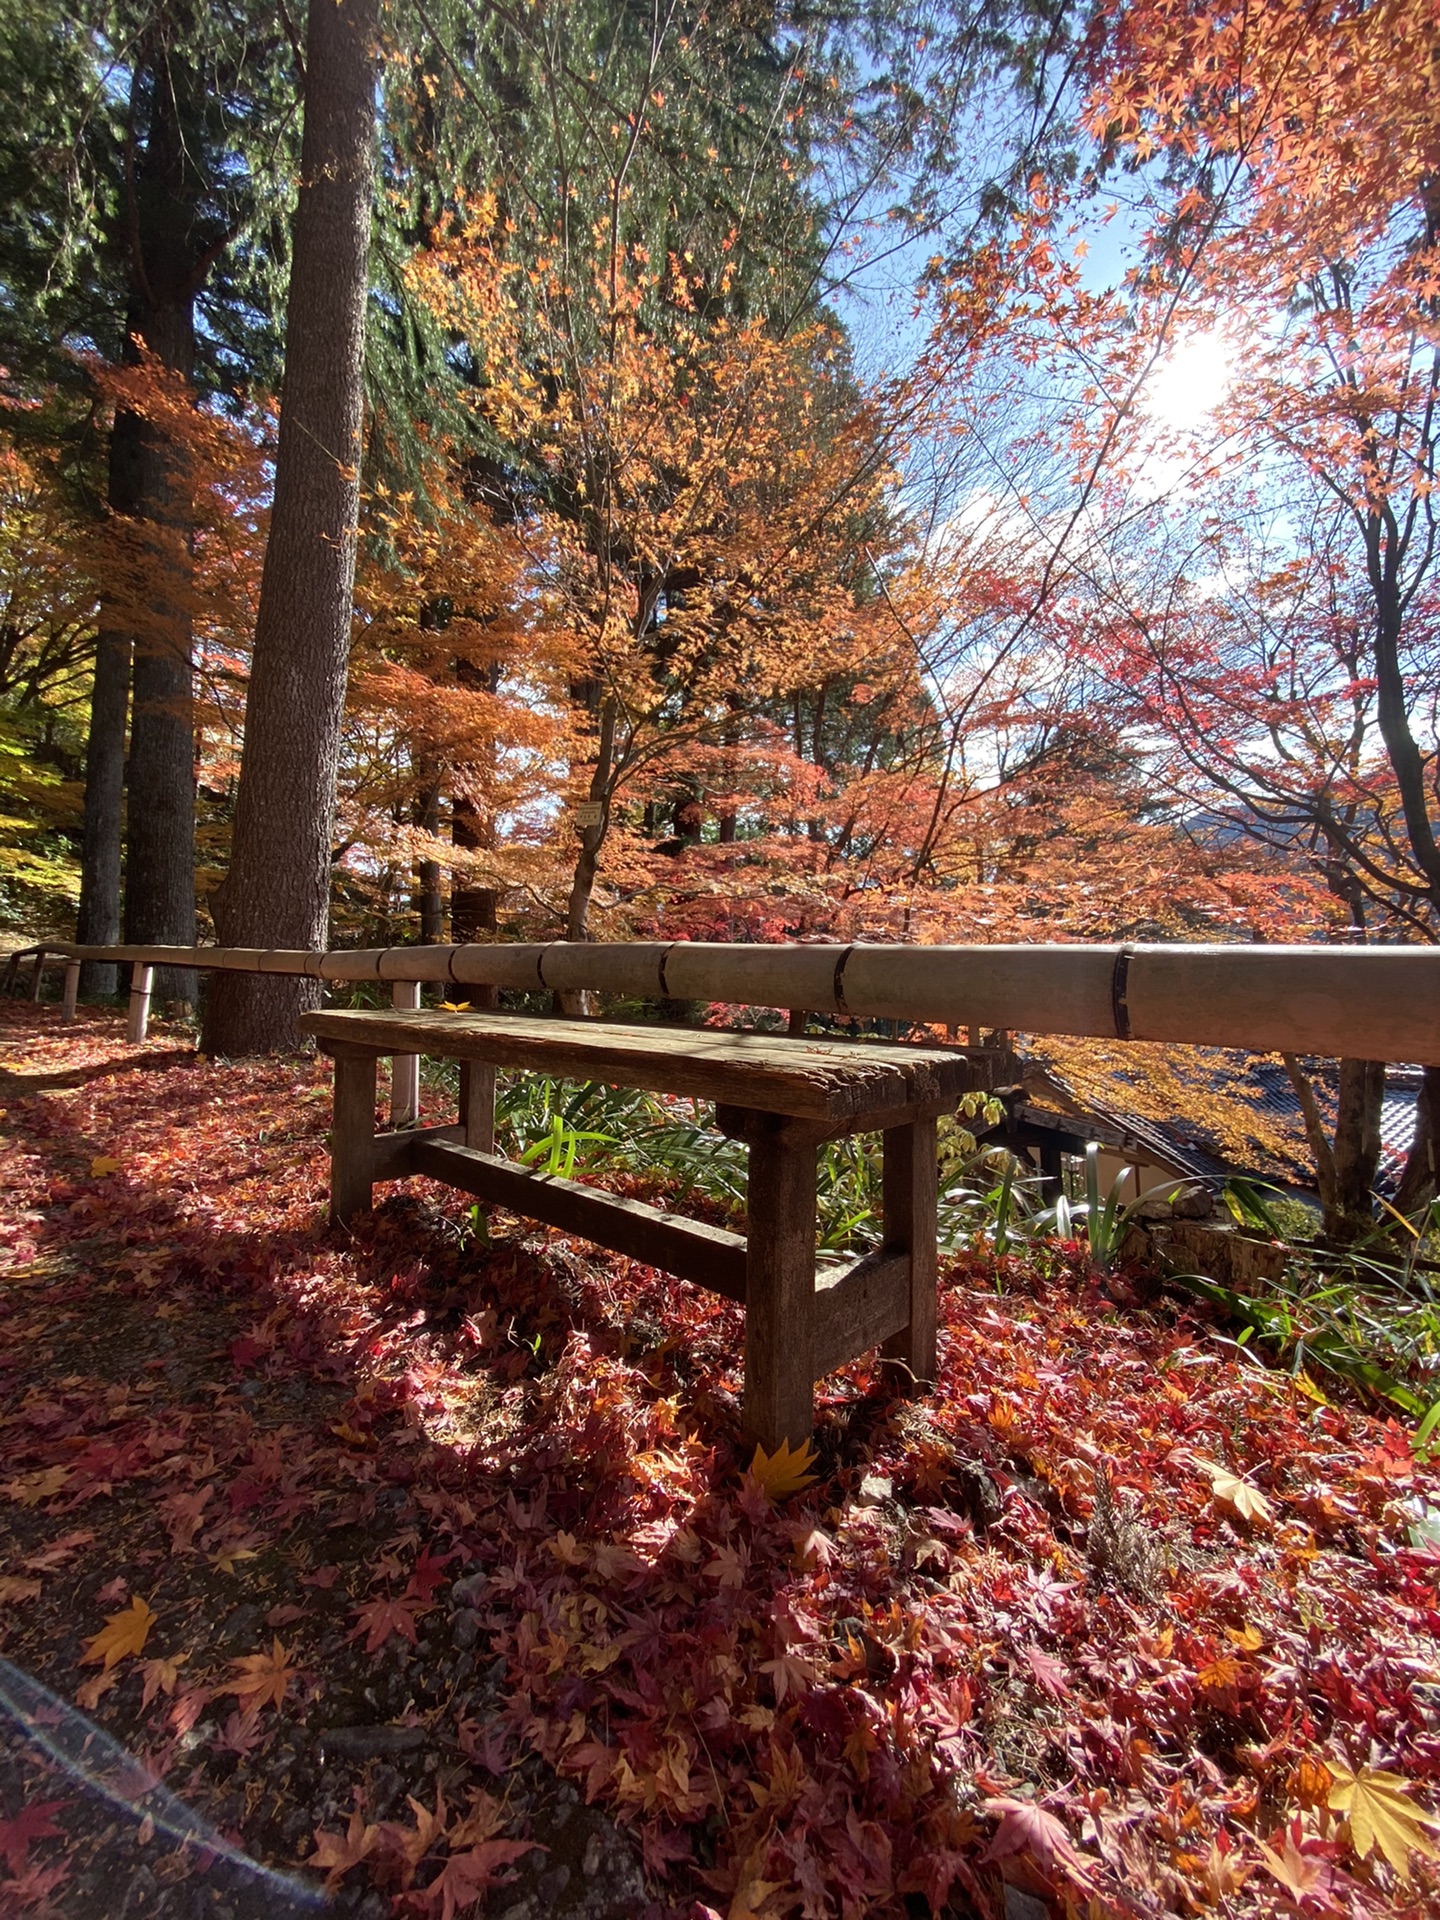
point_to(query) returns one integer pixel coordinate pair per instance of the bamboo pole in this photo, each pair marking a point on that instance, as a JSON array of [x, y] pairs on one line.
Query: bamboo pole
[[142, 979], [405, 1067], [1374, 1003], [71, 1000]]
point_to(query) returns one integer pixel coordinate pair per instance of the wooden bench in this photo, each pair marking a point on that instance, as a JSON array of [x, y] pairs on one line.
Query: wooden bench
[[783, 1097]]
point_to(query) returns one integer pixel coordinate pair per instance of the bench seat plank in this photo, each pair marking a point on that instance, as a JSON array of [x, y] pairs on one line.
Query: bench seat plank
[[829, 1080], [709, 1256]]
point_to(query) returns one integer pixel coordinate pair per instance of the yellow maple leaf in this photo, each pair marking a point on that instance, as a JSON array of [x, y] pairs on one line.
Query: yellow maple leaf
[[1236, 1493], [1381, 1813], [123, 1632], [454, 1006], [261, 1678], [783, 1472], [101, 1165]]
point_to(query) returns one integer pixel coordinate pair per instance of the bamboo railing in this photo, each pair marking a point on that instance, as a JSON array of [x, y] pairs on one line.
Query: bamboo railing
[[1372, 1003]]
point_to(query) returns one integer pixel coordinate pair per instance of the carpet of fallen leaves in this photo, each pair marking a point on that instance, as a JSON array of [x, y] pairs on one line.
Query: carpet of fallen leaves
[[369, 1546]]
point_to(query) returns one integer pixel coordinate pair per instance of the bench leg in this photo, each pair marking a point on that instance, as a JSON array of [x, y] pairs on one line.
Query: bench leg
[[477, 1105], [352, 1136], [910, 1183], [72, 990], [780, 1294]]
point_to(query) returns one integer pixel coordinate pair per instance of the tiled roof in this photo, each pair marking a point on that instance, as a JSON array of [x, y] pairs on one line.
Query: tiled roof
[[1205, 1110]]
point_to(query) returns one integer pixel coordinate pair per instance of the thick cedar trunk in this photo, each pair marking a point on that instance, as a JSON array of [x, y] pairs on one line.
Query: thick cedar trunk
[[1345, 1166], [160, 777], [97, 924], [147, 489], [277, 892]]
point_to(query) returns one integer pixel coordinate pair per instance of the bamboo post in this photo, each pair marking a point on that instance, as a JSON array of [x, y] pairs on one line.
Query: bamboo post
[[910, 1184], [72, 990], [38, 974], [779, 1291], [405, 1067], [795, 1021], [352, 1136], [142, 979]]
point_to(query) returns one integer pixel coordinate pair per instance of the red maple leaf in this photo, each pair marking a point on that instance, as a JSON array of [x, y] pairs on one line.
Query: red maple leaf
[[33, 1822], [378, 1619], [1027, 1828], [427, 1574]]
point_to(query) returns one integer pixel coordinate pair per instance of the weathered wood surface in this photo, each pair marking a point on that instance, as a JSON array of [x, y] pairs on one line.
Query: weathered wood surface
[[827, 1080], [780, 1371], [709, 1256], [909, 1172], [858, 1307]]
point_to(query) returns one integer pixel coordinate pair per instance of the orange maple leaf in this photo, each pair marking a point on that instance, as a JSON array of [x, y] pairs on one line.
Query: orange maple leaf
[[338, 1852], [262, 1678], [123, 1632]]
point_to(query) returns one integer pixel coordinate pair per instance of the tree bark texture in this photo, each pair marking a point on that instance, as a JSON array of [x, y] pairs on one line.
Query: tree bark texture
[[277, 892], [429, 901], [149, 492], [1346, 1166], [97, 923]]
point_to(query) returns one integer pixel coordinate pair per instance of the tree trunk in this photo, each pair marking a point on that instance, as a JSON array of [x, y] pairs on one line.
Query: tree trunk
[[97, 923], [592, 839], [277, 892], [148, 491], [1418, 1183], [160, 778], [429, 903], [1345, 1168], [473, 909]]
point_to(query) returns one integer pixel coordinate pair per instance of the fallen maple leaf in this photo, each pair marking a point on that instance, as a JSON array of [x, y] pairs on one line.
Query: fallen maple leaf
[[378, 1619], [336, 1853], [1236, 1493], [262, 1678], [1303, 1875], [1027, 1828], [13, 1588], [29, 1489], [1381, 1813], [466, 1876], [783, 1472], [123, 1633], [95, 1688], [161, 1675], [33, 1822], [103, 1164]]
